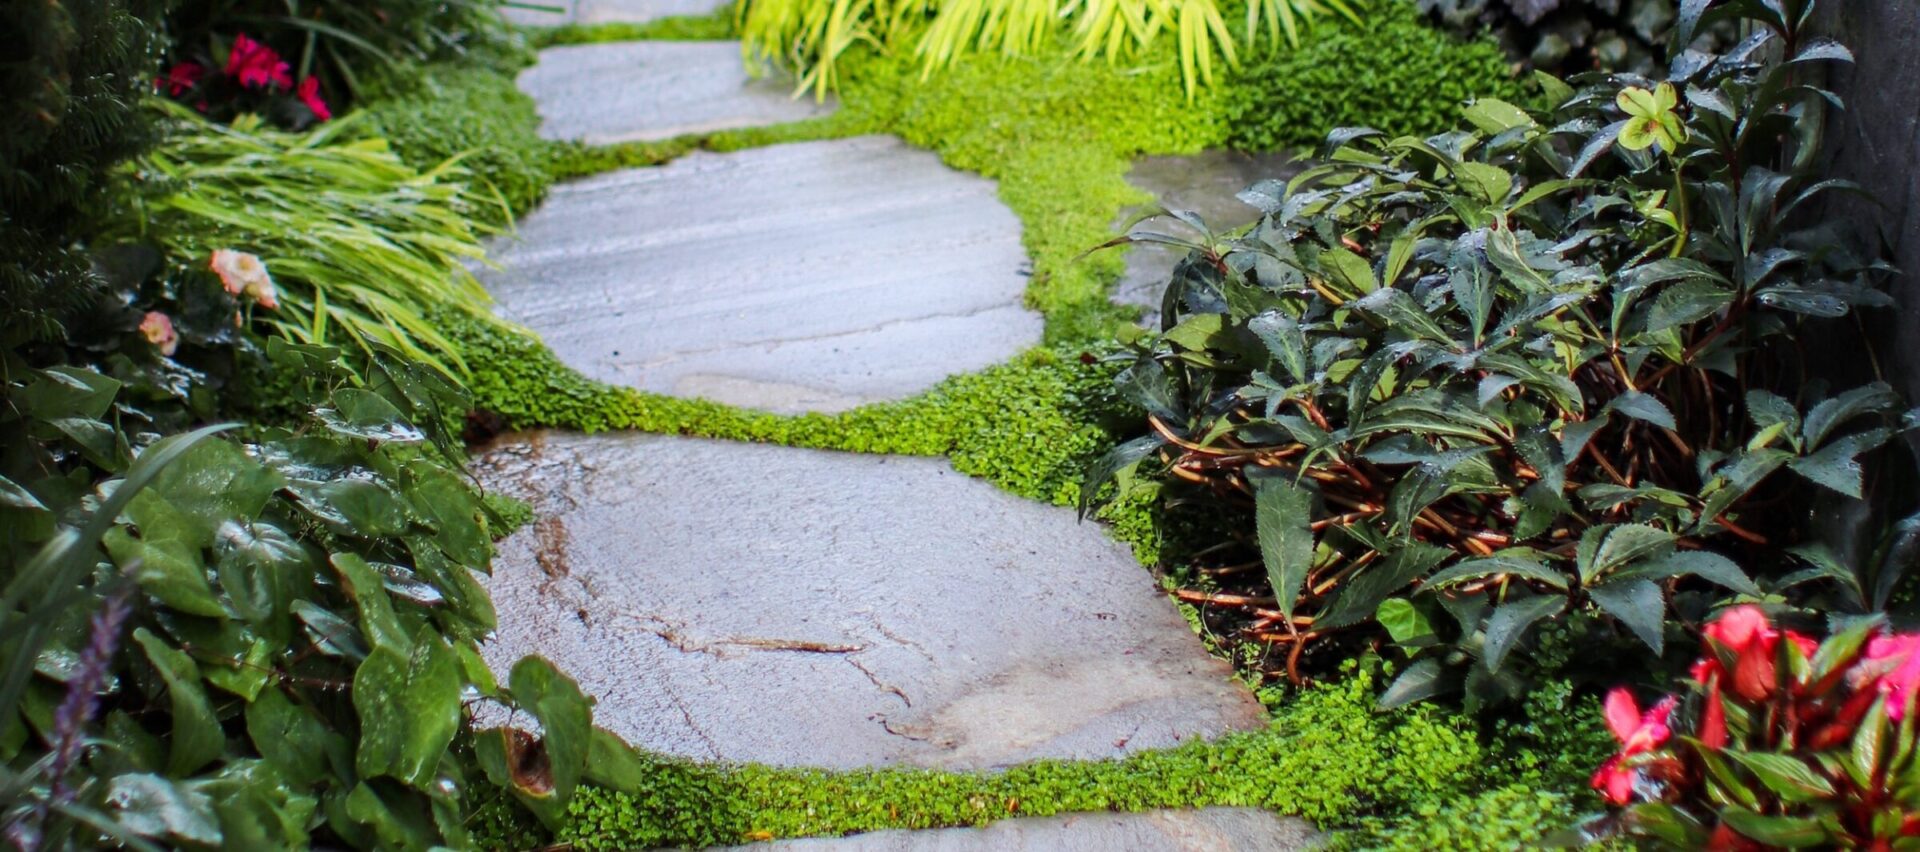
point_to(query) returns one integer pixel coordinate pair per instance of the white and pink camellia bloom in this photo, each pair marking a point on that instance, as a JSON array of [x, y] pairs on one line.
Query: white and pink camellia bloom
[[157, 328], [243, 273]]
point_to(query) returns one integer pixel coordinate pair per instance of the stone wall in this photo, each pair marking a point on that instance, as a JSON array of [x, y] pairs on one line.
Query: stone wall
[[1877, 143]]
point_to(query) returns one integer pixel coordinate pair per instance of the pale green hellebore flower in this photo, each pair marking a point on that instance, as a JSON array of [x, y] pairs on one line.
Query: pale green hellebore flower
[[1651, 119]]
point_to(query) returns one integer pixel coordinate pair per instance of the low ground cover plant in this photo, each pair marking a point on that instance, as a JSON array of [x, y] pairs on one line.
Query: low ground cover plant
[[1526, 385], [1777, 741]]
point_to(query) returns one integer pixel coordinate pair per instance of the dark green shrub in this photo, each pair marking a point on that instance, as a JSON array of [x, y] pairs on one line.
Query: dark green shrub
[[70, 87], [1542, 369], [1395, 74], [1570, 36]]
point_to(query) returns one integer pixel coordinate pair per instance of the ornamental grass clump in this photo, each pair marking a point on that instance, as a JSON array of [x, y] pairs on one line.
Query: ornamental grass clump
[[1777, 741], [1546, 370]]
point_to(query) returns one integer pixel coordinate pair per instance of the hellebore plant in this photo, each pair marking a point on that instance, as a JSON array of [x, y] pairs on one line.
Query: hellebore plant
[[1780, 741]]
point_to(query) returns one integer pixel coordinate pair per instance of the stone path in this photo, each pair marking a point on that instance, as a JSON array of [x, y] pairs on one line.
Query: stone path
[[556, 12], [743, 602], [646, 91], [810, 276]]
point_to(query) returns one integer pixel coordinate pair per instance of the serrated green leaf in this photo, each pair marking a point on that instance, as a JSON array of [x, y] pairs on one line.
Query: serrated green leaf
[[1282, 516]]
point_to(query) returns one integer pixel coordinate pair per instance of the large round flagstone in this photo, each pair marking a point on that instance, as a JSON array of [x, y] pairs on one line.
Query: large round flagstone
[[747, 602], [812, 276], [1207, 830], [547, 13], [649, 90]]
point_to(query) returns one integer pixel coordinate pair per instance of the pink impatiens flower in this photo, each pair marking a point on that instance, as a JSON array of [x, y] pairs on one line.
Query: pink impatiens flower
[[1638, 734], [243, 273], [309, 94], [1902, 651], [157, 328], [181, 77], [256, 65], [1745, 631]]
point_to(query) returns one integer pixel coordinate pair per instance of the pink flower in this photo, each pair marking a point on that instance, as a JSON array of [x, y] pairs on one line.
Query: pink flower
[[309, 93], [256, 65], [181, 77], [243, 273], [1745, 631], [1902, 652], [1638, 734], [157, 328]]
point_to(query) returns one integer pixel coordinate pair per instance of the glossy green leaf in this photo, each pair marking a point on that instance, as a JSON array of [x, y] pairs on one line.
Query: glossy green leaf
[[409, 708], [1282, 512], [197, 738]]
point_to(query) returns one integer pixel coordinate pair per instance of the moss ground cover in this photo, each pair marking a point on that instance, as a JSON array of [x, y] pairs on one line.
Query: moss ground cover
[[1403, 780]]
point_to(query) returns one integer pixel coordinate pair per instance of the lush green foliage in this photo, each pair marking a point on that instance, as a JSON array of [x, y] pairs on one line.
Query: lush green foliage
[[1568, 36], [1543, 367], [342, 43], [715, 27], [361, 245], [1396, 74], [69, 111], [1781, 742], [1391, 767], [470, 111], [263, 642], [812, 36]]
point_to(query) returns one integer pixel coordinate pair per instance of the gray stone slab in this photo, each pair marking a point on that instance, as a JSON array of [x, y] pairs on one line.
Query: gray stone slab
[[607, 11], [649, 90], [1205, 183], [810, 276], [1209, 830], [746, 602]]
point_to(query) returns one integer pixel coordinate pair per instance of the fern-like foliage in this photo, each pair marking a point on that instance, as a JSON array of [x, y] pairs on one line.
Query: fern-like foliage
[[69, 110]]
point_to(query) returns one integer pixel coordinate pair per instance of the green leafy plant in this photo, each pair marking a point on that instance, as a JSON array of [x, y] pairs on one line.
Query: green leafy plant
[[69, 112], [1469, 384], [1568, 36], [361, 245], [810, 36], [343, 43], [1778, 742]]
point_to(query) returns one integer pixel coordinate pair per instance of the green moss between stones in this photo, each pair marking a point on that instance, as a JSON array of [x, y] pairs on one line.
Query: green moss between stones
[[714, 27], [1328, 757]]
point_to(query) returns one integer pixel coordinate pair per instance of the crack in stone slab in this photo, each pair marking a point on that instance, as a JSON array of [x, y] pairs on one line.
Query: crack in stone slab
[[877, 682], [673, 634]]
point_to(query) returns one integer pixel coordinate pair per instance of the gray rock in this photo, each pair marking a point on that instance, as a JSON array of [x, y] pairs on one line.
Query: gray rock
[[606, 11], [1209, 830], [746, 602], [811, 276], [650, 90], [1204, 183]]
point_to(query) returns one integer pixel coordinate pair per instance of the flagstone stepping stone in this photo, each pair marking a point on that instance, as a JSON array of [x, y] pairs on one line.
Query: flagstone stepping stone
[[1209, 830], [606, 11], [650, 90], [1205, 183], [813, 276], [748, 602]]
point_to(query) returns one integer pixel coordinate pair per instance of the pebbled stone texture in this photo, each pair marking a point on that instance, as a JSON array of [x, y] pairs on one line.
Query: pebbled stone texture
[[813, 276], [1209, 830], [1205, 183], [607, 11], [651, 90], [747, 602]]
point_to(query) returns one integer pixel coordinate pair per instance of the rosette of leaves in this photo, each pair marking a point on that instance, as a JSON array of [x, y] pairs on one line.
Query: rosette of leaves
[[259, 639], [1540, 368]]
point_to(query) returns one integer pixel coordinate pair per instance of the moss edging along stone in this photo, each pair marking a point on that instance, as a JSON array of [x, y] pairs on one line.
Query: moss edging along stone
[[1059, 137]]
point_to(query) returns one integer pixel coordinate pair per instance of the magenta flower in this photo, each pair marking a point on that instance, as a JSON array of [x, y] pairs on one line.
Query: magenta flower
[[1902, 652], [1638, 733], [181, 77], [309, 94], [256, 65]]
